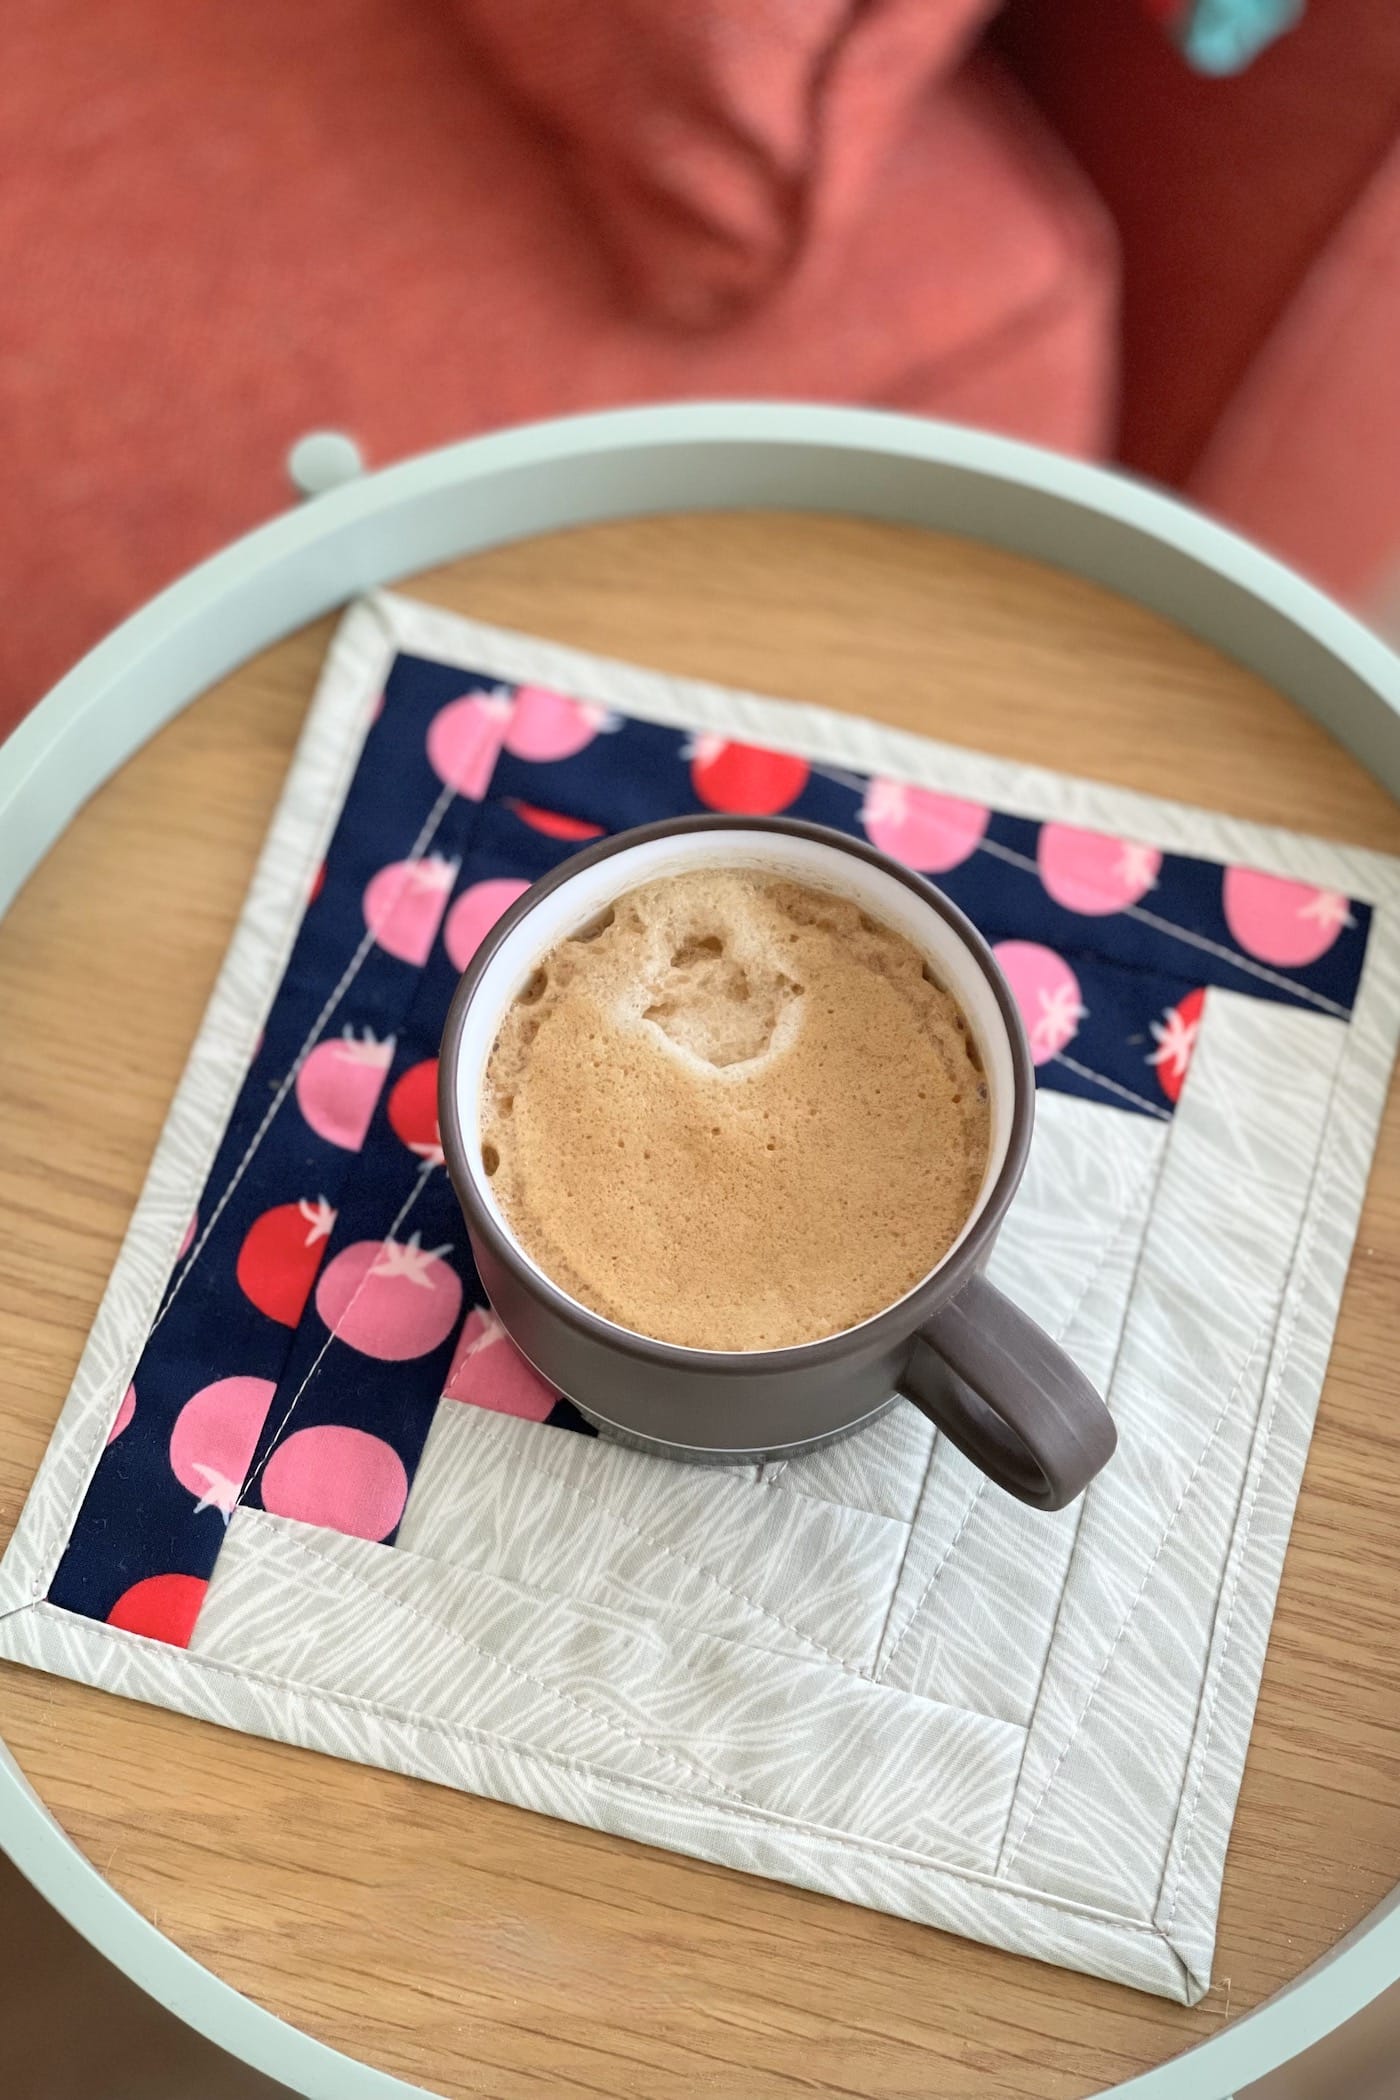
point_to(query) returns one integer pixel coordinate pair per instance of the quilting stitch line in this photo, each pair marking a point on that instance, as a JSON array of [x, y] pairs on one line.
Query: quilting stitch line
[[1102, 1672], [1109, 1248]]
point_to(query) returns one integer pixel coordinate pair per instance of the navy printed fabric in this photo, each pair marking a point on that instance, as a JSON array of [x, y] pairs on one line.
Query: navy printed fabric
[[325, 1296]]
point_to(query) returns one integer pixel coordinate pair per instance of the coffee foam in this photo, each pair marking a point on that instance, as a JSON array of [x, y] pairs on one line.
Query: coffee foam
[[735, 1113]]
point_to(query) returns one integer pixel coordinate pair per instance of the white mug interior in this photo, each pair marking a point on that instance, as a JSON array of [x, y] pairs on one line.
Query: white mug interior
[[583, 898]]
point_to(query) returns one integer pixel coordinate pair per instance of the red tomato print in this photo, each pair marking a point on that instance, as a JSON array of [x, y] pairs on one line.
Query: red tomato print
[[404, 904], [215, 1435], [464, 741], [163, 1608], [339, 1086], [1092, 874], [340, 1478], [390, 1299], [743, 780], [1175, 1036], [552, 824], [475, 913], [1047, 992], [932, 833], [281, 1252], [489, 1371], [318, 883], [547, 726], [413, 1110], [1288, 924]]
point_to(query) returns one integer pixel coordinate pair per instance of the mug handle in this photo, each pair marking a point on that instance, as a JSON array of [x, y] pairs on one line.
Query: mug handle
[[1008, 1397]]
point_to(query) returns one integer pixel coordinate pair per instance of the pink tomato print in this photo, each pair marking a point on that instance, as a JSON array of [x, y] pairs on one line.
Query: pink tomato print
[[413, 1110], [1175, 1037], [546, 726], [1047, 992], [1280, 922], [404, 904], [187, 1239], [464, 741], [338, 1087], [281, 1252], [215, 1435], [124, 1414], [342, 1479], [162, 1608], [926, 831], [744, 780], [390, 1299], [489, 1371], [552, 823], [1088, 872], [475, 913]]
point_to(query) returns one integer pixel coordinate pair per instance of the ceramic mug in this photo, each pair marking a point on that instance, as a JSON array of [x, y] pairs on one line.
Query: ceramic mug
[[953, 1345]]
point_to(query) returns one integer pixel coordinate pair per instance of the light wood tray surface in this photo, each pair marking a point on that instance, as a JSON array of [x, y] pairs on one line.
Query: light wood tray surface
[[477, 1948]]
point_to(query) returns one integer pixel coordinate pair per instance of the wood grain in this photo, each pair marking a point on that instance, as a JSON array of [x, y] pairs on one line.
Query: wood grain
[[480, 1949]]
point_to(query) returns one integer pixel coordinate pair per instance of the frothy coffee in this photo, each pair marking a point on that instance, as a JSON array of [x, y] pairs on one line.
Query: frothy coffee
[[735, 1113]]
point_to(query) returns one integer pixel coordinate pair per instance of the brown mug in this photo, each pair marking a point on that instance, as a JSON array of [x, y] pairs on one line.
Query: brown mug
[[991, 1380]]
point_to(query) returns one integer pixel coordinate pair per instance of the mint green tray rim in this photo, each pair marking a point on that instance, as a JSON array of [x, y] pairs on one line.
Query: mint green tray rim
[[579, 471]]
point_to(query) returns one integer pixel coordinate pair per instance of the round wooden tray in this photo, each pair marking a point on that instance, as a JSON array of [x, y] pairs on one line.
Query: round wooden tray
[[460, 1944]]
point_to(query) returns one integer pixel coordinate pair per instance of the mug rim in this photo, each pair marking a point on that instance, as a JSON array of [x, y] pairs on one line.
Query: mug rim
[[895, 1322]]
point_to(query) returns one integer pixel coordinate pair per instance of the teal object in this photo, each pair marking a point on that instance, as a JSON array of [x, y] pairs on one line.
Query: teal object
[[1222, 37], [580, 470]]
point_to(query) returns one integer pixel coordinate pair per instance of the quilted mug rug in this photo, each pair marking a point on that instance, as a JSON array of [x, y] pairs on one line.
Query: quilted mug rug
[[304, 1485]]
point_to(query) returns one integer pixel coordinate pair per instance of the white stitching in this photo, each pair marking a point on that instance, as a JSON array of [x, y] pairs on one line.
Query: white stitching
[[814, 732], [911, 1528], [1111, 1086], [1110, 1247], [49, 1554], [926, 1592], [859, 783], [616, 1727], [424, 1172], [1180, 1878], [1201, 941], [347, 977], [1202, 1456], [648, 1539], [1315, 1210], [759, 1818], [88, 1451], [1163, 1155]]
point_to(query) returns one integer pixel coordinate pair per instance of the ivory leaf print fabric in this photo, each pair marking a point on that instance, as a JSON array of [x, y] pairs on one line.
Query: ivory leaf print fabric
[[301, 1452]]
